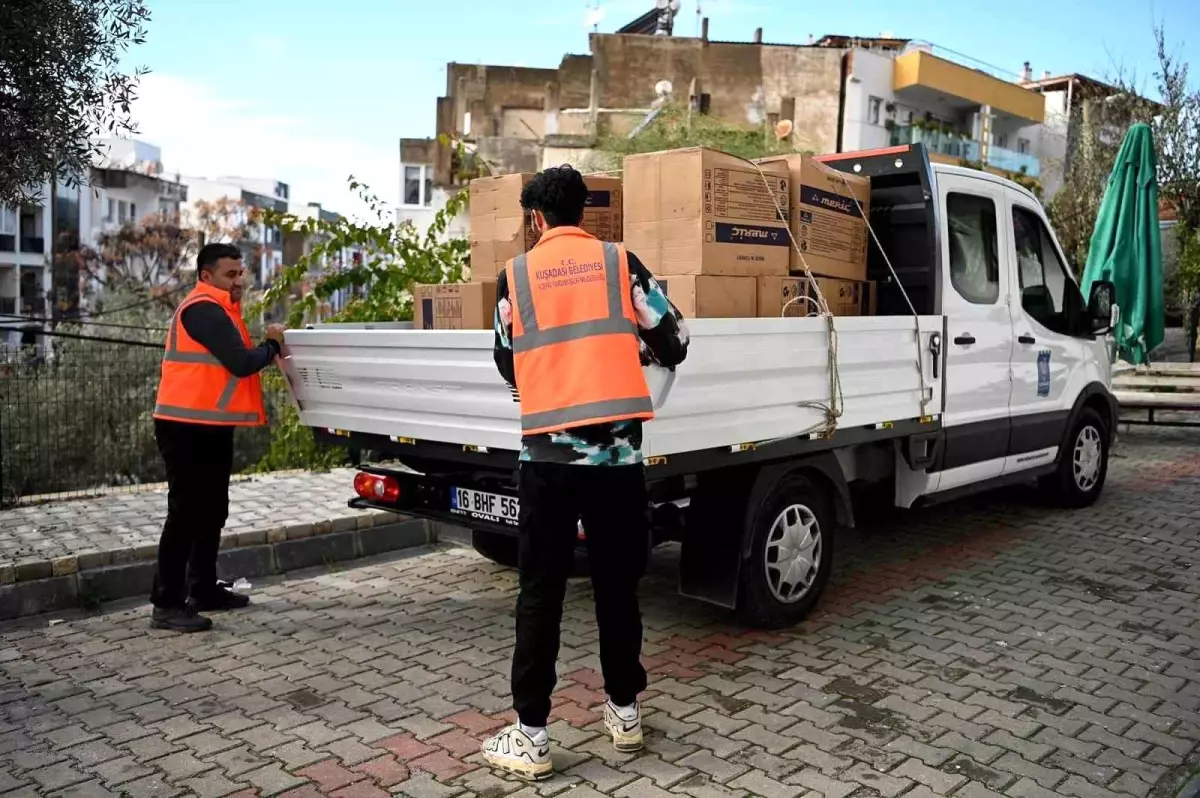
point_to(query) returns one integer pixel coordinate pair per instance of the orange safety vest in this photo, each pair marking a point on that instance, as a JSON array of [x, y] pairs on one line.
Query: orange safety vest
[[194, 386], [574, 334]]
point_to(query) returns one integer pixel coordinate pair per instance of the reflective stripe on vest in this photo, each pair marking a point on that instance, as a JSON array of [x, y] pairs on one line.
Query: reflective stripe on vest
[[173, 355], [532, 337]]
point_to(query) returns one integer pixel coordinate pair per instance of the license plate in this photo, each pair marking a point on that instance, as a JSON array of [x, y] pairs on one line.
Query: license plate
[[484, 506]]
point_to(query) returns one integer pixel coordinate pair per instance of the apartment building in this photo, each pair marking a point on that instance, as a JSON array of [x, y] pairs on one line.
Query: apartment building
[[904, 92], [262, 247]]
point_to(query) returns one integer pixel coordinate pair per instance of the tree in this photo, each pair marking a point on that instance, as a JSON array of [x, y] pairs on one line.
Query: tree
[[62, 86], [394, 256], [1099, 122]]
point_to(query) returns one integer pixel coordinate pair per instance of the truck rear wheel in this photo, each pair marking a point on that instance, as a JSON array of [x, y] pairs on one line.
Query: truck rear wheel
[[500, 549], [791, 555], [1083, 467]]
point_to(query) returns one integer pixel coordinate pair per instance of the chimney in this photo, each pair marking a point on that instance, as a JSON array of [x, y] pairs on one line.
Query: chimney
[[758, 35], [1027, 73], [1046, 75], [704, 29], [811, 39]]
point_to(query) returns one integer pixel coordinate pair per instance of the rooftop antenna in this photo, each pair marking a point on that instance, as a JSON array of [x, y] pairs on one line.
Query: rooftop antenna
[[593, 15]]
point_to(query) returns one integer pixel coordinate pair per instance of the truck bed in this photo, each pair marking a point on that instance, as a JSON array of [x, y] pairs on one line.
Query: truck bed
[[744, 382]]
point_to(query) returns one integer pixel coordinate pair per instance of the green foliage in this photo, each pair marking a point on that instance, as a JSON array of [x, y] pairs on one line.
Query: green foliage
[[675, 127], [394, 256], [64, 85]]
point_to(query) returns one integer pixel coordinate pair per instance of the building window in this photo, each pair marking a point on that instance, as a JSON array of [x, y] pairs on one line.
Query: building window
[[974, 254], [112, 211], [8, 221], [122, 211], [1023, 146], [874, 108], [132, 212], [1000, 140], [418, 186]]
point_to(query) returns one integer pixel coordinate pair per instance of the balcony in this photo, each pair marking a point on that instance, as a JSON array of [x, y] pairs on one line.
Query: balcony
[[1009, 160], [34, 245], [922, 76], [936, 141], [954, 146], [8, 243]]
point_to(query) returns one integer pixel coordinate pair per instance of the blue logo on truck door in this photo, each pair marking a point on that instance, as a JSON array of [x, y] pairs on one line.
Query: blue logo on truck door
[[1043, 367]]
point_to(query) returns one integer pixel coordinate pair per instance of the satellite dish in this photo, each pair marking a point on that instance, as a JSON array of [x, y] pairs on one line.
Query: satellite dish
[[783, 129], [663, 88]]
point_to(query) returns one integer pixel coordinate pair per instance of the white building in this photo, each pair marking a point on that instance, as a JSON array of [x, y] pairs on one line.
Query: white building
[[264, 247], [420, 199], [900, 92], [129, 186]]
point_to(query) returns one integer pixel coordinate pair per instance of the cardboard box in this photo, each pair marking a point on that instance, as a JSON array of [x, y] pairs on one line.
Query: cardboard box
[[701, 211], [454, 306], [706, 296], [826, 221], [501, 229], [844, 297]]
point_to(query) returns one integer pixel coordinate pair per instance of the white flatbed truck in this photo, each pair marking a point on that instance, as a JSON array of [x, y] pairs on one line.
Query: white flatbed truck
[[984, 366]]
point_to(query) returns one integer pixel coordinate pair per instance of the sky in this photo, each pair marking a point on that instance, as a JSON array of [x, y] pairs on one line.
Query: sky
[[311, 91]]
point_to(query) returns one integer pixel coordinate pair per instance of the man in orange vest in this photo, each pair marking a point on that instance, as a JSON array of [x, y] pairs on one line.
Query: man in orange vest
[[209, 386], [576, 319]]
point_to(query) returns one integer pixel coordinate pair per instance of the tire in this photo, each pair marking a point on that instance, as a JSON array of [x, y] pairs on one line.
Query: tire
[[766, 597], [500, 549], [1082, 465]]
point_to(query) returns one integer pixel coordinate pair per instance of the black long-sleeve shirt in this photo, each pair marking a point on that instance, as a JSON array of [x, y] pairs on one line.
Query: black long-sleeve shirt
[[210, 326]]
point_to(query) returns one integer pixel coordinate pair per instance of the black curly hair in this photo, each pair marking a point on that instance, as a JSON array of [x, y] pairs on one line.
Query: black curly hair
[[559, 193]]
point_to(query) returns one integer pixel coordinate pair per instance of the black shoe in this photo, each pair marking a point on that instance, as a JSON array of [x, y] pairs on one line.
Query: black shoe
[[221, 598], [179, 619]]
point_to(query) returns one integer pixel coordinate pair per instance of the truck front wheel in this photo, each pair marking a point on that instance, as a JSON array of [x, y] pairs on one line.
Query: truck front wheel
[[791, 555], [1082, 468]]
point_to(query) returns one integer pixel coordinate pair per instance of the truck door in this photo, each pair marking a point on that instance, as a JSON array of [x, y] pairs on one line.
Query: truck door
[[1048, 354], [975, 285]]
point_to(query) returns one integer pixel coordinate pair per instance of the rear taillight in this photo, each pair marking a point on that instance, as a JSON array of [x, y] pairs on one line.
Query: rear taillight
[[376, 488]]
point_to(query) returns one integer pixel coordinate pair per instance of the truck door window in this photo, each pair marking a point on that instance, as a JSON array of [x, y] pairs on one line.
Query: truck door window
[[974, 260], [1048, 293]]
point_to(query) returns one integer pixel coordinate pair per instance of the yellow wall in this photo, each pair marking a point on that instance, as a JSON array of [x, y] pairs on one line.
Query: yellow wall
[[919, 68]]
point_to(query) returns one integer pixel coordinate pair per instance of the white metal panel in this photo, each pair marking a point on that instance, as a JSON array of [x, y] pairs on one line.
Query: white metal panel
[[743, 381]]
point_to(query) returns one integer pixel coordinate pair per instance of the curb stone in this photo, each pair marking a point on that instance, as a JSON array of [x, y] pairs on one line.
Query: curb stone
[[125, 578]]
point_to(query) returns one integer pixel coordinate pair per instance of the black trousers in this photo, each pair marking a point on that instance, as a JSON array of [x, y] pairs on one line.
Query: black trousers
[[199, 458], [611, 503]]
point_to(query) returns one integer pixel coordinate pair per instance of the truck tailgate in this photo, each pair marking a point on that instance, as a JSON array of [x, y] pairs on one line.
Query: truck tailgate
[[744, 381]]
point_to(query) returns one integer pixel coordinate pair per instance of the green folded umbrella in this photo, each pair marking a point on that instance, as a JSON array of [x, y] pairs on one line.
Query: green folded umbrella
[[1126, 249]]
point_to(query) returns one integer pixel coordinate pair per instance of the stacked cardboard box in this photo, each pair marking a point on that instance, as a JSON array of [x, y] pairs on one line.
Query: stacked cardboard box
[[829, 212], [795, 296], [707, 225], [500, 230], [454, 306]]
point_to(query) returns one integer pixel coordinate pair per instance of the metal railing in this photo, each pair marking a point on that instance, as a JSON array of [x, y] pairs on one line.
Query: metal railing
[[75, 420], [958, 145]]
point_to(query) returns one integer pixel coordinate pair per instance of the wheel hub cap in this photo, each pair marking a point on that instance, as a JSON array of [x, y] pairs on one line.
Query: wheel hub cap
[[793, 553], [1087, 457]]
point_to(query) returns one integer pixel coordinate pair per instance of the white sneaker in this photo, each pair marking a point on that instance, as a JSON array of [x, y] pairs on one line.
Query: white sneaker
[[516, 752], [626, 732]]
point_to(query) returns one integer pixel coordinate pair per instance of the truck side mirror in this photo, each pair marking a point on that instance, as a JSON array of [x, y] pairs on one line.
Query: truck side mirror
[[1102, 307]]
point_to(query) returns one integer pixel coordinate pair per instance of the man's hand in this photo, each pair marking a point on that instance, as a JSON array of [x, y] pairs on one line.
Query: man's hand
[[275, 332]]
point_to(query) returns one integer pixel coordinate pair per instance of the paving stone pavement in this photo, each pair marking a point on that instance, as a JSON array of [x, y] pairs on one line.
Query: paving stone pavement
[[125, 526], [988, 647]]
